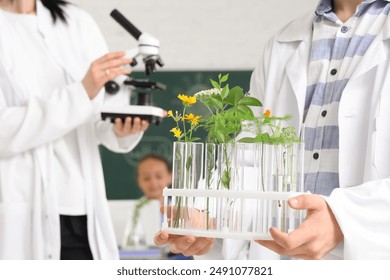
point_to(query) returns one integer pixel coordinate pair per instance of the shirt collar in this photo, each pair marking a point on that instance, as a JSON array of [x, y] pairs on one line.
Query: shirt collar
[[324, 6]]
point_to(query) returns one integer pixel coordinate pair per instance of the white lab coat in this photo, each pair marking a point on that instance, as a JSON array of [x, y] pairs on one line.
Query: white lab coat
[[362, 204], [29, 217]]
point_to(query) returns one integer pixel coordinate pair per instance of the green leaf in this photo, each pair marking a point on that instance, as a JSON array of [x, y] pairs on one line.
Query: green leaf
[[235, 95], [216, 102], [231, 111], [189, 162], [226, 179], [224, 78], [247, 140], [250, 101], [225, 92], [214, 84], [219, 76], [245, 109], [277, 132], [220, 137], [228, 139], [263, 138]]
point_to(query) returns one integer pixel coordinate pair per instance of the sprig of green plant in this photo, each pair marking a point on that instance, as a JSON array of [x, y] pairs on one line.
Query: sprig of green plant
[[272, 131], [136, 214], [228, 107], [188, 122]]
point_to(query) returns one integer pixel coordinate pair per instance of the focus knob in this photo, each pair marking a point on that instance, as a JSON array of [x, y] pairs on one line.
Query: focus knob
[[111, 87]]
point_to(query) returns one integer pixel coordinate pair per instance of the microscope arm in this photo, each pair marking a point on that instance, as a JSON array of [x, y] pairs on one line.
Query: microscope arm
[[118, 93]]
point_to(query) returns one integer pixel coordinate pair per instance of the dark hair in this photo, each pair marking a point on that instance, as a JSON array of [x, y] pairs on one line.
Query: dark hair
[[56, 9], [155, 157]]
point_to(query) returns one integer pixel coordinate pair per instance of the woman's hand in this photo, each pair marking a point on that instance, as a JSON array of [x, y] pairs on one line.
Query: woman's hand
[[188, 245], [128, 128], [103, 70]]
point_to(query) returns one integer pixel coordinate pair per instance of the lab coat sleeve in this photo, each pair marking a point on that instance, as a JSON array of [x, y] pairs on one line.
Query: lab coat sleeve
[[363, 213], [259, 78], [40, 121], [106, 136]]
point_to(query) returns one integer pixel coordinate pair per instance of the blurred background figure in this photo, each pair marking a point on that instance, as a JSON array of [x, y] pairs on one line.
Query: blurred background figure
[[153, 173]]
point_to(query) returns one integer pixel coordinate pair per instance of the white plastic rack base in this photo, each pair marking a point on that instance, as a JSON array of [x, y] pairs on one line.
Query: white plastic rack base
[[229, 214]]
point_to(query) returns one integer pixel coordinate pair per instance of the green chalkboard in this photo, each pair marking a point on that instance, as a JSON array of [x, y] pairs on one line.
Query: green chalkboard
[[119, 169]]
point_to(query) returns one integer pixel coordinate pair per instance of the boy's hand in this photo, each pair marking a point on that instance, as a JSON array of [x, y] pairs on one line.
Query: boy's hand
[[314, 238]]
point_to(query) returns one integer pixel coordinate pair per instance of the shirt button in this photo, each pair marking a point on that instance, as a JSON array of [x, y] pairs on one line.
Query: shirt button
[[323, 113], [333, 72], [344, 29], [316, 155]]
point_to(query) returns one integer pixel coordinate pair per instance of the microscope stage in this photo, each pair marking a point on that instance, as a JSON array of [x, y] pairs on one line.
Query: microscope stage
[[152, 114]]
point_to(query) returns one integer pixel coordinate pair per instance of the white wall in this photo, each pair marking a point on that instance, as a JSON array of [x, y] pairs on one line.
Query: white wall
[[199, 34]]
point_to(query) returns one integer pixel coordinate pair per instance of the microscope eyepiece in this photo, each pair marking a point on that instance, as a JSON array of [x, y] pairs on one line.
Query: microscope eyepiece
[[126, 24]]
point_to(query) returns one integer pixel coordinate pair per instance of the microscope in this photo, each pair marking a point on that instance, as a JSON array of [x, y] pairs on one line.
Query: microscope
[[118, 91]]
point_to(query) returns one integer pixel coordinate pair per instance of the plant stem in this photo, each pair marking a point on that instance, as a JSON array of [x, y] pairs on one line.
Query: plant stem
[[227, 166], [292, 169], [210, 167], [262, 166], [177, 217], [211, 111], [184, 125]]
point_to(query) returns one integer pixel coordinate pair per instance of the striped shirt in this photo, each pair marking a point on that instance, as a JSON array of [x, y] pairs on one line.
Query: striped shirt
[[336, 50]]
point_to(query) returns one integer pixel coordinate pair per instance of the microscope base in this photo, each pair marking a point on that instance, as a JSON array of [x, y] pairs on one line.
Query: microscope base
[[153, 115]]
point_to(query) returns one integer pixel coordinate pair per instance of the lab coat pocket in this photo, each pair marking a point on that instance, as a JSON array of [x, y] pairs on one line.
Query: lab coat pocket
[[382, 146], [15, 231]]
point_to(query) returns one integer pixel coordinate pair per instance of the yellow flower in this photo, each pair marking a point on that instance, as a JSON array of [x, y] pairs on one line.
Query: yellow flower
[[170, 114], [267, 113], [192, 118], [187, 100], [176, 132]]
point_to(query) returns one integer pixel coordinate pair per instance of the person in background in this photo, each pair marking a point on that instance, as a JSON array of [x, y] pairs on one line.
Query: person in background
[[54, 63], [330, 70], [154, 173]]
